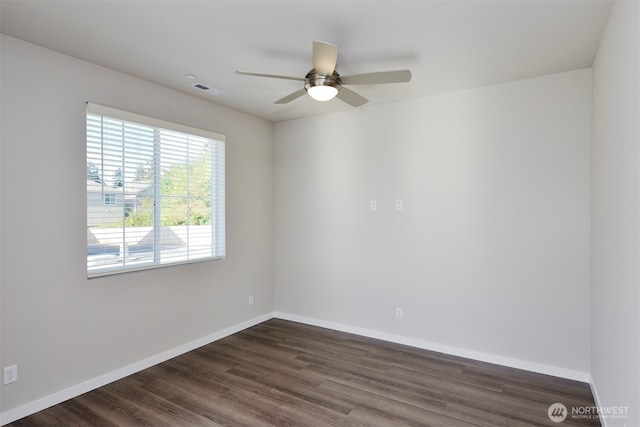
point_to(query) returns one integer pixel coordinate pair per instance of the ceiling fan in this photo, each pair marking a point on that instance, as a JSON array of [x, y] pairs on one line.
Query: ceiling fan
[[323, 82]]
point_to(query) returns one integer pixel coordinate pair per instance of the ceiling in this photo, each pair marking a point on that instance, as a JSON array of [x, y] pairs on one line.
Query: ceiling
[[448, 45]]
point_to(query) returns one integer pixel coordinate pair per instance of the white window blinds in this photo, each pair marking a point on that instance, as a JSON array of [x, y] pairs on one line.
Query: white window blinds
[[155, 192]]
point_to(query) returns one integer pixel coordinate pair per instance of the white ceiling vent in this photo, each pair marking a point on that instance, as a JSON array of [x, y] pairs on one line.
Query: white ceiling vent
[[211, 90]]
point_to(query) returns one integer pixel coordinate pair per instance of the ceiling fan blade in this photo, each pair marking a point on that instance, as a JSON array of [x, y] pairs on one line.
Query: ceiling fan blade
[[325, 56], [271, 76], [350, 97], [399, 76], [291, 96]]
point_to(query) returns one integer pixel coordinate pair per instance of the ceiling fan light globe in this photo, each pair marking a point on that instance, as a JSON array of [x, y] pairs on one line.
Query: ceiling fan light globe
[[322, 93]]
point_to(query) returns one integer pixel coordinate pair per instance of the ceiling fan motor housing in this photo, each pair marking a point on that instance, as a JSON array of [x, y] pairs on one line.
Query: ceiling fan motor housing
[[313, 79]]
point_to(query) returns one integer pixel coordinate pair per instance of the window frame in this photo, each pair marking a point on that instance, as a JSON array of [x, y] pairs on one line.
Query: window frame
[[217, 195]]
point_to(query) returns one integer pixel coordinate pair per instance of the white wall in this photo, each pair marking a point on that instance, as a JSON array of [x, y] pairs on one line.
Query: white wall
[[490, 256], [60, 328], [615, 308]]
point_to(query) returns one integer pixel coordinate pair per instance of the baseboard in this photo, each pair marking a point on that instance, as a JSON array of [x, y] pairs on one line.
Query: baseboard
[[76, 390], [598, 402], [441, 348]]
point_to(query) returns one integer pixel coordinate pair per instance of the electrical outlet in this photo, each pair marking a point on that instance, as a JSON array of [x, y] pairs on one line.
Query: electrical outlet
[[399, 205], [373, 205], [399, 313], [250, 299], [11, 374]]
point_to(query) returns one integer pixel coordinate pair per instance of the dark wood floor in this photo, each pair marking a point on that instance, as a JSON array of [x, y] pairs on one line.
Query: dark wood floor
[[284, 374]]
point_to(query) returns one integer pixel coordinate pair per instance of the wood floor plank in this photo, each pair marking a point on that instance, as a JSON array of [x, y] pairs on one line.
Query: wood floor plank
[[188, 397], [42, 418], [305, 391], [282, 373], [164, 410], [82, 415], [119, 411]]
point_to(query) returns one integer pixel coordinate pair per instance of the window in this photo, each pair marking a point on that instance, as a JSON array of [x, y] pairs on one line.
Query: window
[[155, 192]]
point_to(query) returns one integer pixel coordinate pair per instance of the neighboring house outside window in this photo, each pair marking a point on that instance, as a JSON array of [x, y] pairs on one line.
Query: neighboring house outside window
[[109, 199]]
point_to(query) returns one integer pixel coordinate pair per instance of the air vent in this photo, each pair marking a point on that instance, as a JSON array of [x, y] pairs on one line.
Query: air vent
[[212, 91]]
